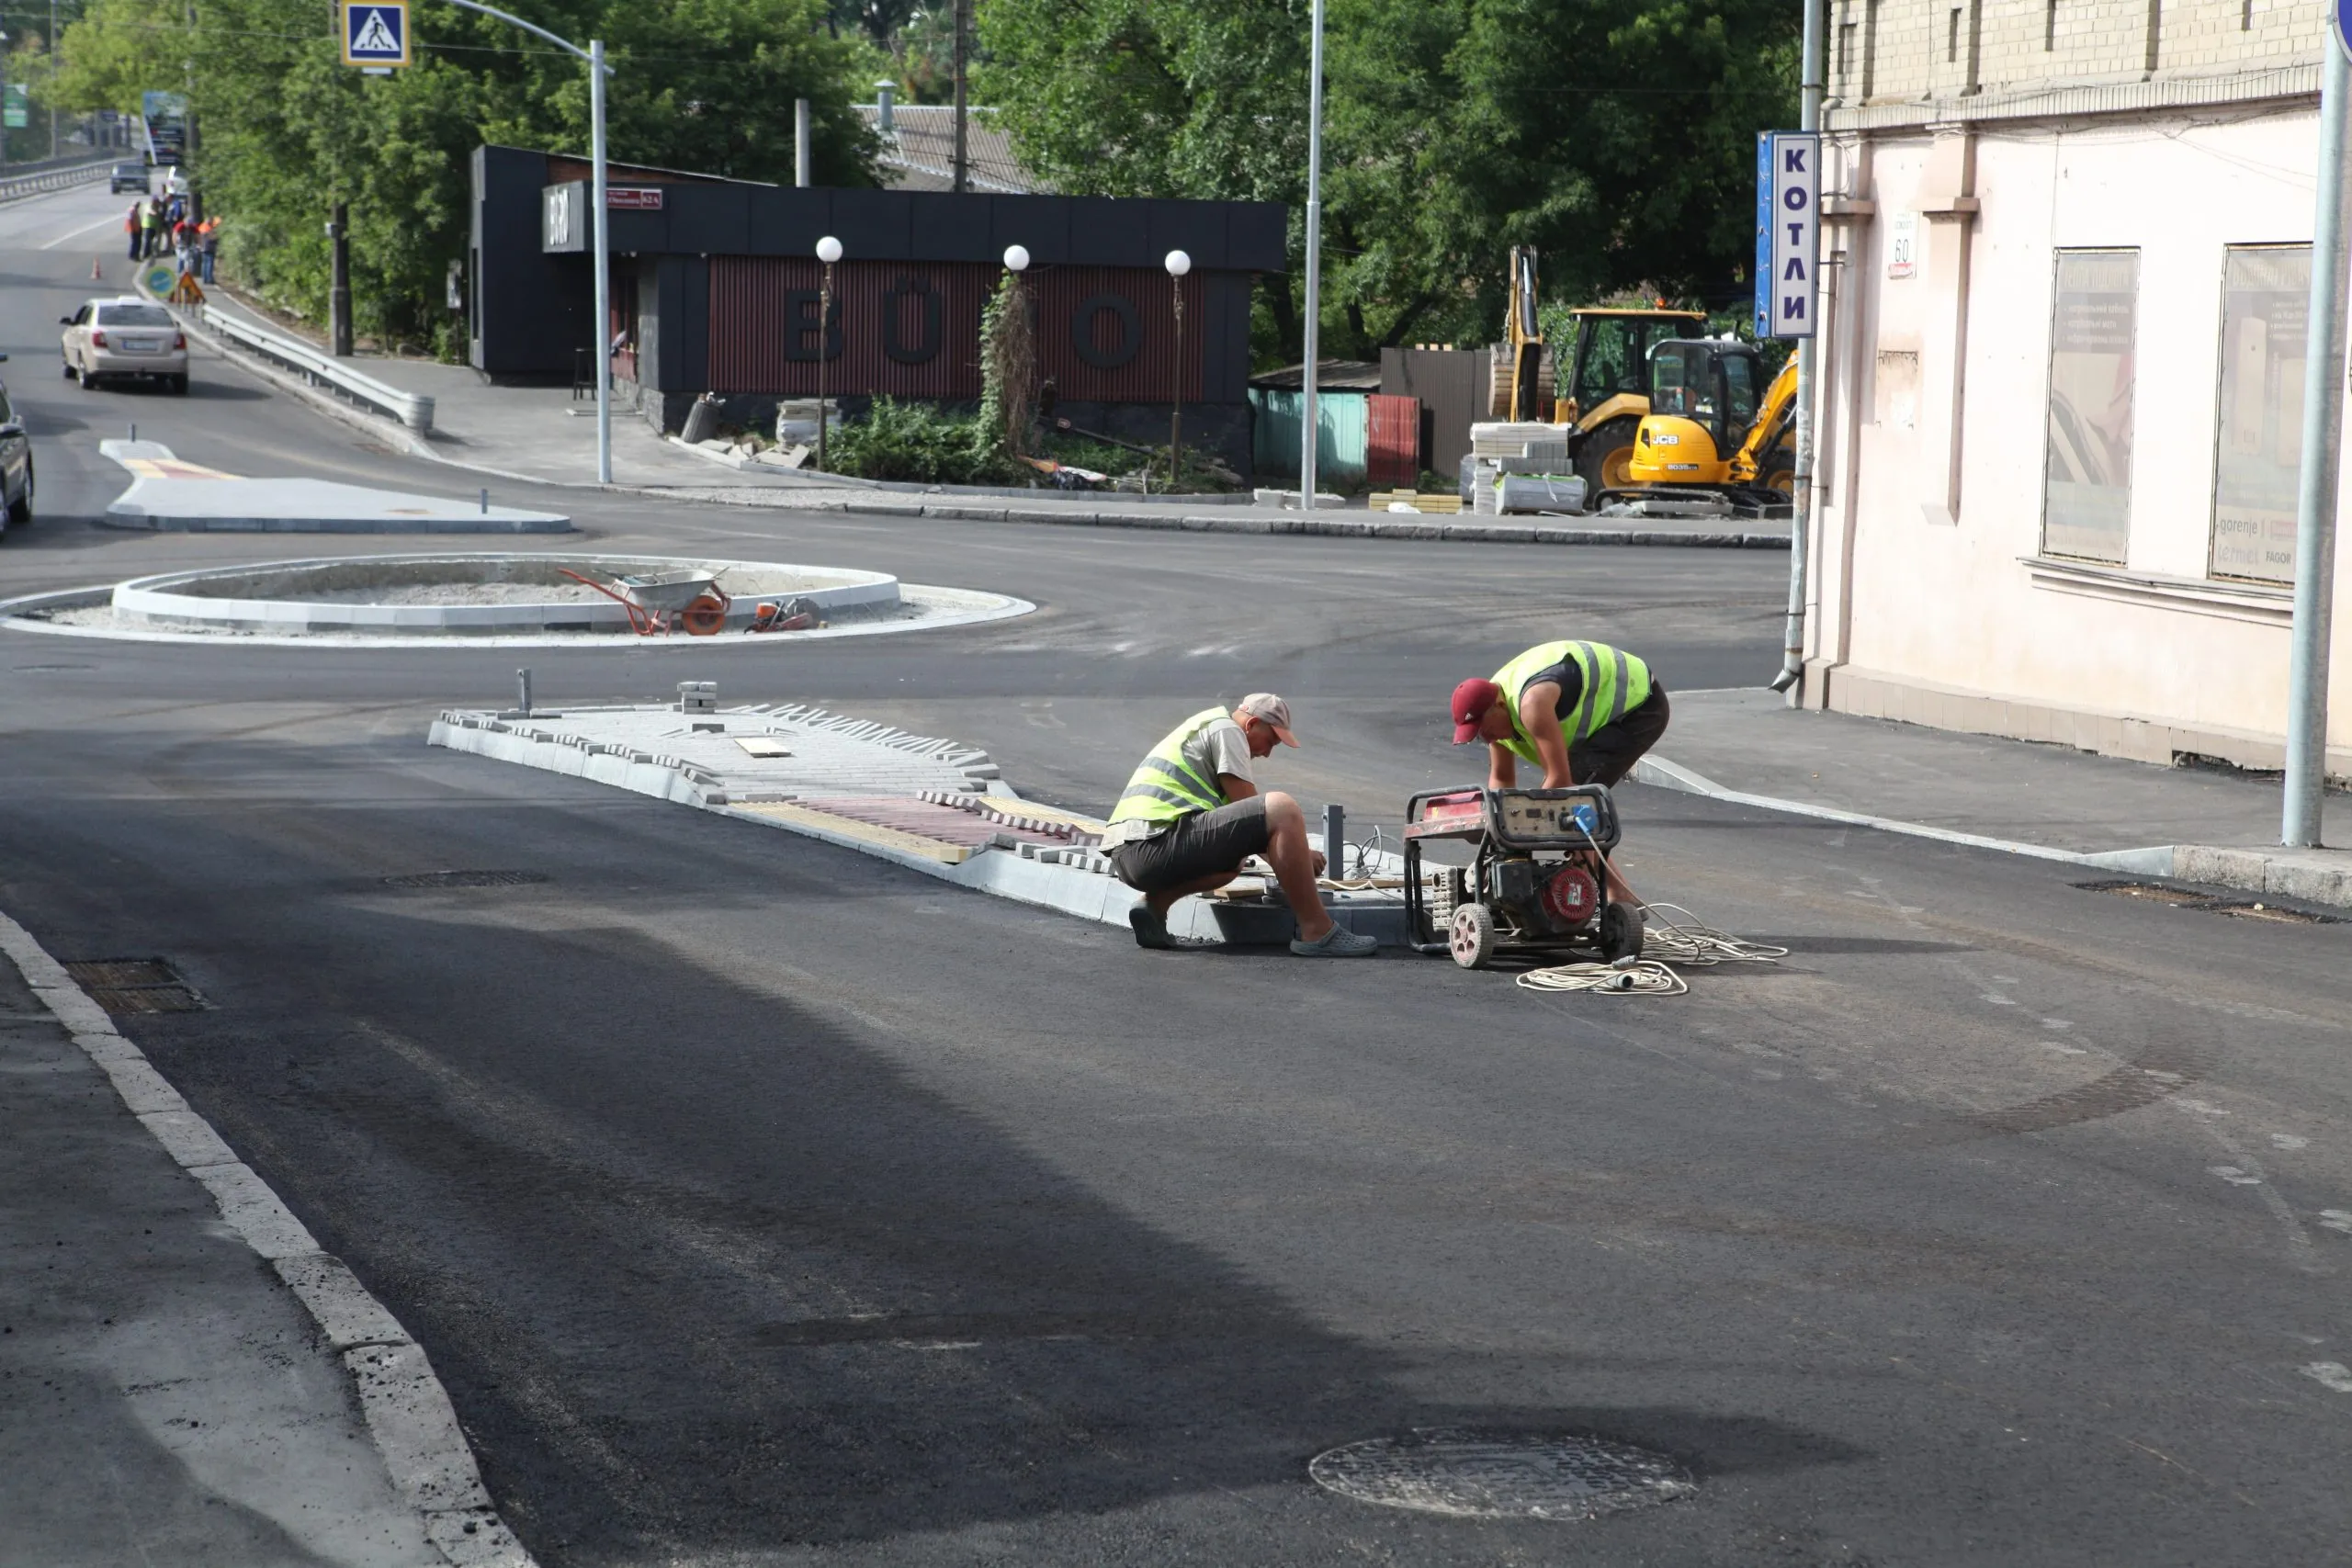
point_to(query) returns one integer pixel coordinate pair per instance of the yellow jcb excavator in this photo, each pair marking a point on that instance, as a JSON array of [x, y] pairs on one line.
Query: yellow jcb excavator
[[1607, 392], [1714, 432]]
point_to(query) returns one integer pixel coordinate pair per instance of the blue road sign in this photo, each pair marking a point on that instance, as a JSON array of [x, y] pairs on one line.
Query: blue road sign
[[375, 32]]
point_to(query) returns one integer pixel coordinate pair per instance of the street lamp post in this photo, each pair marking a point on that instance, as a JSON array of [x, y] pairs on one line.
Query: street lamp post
[[600, 335], [1178, 265], [828, 251], [1314, 334]]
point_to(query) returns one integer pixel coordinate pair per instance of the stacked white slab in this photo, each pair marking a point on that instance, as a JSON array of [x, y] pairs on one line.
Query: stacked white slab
[[695, 759]]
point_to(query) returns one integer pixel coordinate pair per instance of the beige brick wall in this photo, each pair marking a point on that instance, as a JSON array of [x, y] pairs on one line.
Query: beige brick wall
[[1888, 51]]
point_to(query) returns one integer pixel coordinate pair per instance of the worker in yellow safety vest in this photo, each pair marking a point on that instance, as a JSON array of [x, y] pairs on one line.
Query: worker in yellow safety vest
[[1583, 712], [1192, 813]]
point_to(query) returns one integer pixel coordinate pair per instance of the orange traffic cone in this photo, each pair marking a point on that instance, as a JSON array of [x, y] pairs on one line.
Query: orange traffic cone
[[94, 270]]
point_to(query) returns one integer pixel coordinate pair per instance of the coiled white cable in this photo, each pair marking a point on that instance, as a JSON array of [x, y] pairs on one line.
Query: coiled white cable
[[1638, 977], [1692, 941]]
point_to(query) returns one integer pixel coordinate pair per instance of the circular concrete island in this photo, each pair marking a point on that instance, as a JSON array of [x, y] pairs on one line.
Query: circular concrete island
[[551, 599]]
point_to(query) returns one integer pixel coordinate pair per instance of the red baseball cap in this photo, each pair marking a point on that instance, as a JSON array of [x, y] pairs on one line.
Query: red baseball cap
[[1471, 700]]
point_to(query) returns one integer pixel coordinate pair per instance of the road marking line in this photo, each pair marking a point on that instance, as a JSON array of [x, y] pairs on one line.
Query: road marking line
[[111, 217], [2329, 1374], [408, 1411]]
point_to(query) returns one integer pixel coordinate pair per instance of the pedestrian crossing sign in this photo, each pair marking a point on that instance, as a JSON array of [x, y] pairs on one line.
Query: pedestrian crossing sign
[[375, 32]]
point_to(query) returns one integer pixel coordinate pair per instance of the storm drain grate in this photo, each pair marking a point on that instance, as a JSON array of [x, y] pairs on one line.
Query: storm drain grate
[[466, 879], [1502, 1475], [124, 986], [2189, 898]]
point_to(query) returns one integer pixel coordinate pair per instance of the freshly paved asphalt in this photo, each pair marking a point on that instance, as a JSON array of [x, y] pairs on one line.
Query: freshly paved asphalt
[[761, 1203]]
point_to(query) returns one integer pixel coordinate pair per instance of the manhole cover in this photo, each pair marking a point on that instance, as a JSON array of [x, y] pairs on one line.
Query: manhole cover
[[1502, 1475], [127, 986], [466, 879]]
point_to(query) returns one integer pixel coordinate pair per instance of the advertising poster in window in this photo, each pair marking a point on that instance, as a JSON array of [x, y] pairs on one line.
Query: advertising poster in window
[[2087, 486], [2258, 445]]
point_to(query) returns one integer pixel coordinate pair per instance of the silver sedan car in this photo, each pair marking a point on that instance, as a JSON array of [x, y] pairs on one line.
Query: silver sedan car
[[125, 339]]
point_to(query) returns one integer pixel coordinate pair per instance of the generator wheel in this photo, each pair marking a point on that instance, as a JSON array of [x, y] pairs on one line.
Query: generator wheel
[[704, 617], [1621, 931], [1472, 941], [1605, 461]]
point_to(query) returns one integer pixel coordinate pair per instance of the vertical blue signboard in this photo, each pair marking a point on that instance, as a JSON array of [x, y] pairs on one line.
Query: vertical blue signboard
[[1763, 272], [1788, 230]]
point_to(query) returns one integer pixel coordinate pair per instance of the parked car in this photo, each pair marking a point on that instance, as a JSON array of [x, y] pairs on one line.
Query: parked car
[[122, 339], [16, 465], [127, 176]]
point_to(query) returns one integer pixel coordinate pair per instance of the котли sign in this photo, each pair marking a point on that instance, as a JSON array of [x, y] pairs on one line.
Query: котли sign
[[1788, 231]]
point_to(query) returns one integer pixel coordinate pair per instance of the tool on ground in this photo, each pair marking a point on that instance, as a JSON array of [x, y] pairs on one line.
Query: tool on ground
[[1534, 884], [796, 616], [659, 603], [1716, 441]]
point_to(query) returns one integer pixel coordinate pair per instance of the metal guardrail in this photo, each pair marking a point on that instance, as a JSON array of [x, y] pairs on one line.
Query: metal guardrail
[[412, 409], [14, 186]]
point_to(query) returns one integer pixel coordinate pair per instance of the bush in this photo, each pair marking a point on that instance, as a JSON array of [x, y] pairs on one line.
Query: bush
[[917, 443]]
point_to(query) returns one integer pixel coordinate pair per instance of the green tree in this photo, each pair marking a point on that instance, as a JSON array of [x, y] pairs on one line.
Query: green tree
[[1615, 135], [284, 129]]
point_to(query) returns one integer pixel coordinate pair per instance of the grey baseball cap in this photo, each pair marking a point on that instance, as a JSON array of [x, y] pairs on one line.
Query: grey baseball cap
[[1273, 709]]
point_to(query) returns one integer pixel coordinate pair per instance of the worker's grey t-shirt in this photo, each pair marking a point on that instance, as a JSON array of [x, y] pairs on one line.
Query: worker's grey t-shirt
[[1219, 749]]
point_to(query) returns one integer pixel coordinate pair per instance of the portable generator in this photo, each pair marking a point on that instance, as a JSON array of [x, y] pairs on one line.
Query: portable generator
[[1537, 882]]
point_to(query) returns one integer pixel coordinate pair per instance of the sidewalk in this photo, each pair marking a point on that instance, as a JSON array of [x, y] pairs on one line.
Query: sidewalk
[[187, 1380], [2202, 826], [545, 434]]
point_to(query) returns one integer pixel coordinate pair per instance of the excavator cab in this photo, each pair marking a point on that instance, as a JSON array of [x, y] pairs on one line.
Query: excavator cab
[[1713, 422]]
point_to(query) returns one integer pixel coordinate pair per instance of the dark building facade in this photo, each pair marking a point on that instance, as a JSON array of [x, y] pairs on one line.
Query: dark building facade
[[716, 289]]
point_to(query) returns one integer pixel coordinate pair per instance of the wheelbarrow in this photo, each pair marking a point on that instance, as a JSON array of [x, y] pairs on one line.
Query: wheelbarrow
[[659, 603]]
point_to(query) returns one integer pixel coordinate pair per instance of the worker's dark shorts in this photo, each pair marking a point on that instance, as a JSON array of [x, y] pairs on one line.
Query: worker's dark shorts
[[1205, 842], [1609, 753]]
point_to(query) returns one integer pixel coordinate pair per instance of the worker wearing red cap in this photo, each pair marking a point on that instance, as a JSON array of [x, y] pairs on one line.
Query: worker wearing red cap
[[1583, 712]]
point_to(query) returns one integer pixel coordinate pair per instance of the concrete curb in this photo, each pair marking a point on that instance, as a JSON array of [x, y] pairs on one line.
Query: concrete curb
[[2308, 876], [2154, 860], [1388, 525], [408, 1411]]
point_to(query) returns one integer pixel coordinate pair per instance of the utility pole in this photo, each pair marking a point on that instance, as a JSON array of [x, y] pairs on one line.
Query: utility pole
[[600, 331], [963, 99], [1792, 676], [53, 77], [804, 163], [339, 281], [1313, 344], [2315, 479]]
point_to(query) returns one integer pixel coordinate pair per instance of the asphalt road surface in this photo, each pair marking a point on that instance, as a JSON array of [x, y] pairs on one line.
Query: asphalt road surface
[[763, 1203]]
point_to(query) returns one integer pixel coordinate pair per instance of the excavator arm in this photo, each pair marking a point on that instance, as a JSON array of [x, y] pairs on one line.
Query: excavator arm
[[1747, 464]]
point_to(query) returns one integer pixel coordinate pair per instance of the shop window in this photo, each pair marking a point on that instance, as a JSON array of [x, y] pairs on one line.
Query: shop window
[[2258, 435], [2086, 453]]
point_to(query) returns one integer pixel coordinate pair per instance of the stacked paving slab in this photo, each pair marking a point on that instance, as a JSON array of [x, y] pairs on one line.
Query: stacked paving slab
[[937, 805]]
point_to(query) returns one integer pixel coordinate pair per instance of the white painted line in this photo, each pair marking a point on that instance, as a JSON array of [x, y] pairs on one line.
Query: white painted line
[[407, 1410], [2156, 859], [2330, 1374], [76, 233]]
